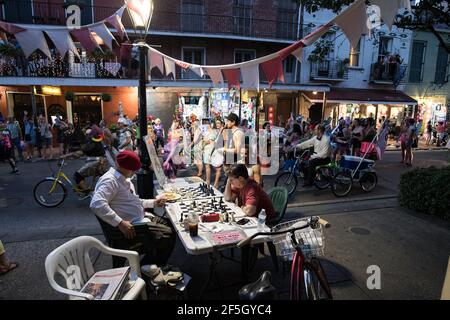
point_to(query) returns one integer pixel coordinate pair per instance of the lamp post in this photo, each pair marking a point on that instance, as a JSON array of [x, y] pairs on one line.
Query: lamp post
[[141, 12]]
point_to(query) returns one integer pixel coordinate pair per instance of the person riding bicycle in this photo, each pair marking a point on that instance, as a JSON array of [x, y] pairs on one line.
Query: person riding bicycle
[[321, 155], [96, 164]]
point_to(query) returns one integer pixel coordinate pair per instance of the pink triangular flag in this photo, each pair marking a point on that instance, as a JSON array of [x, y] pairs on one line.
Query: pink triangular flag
[[103, 32], [353, 22], [10, 28], [273, 69], [233, 77], [182, 64], [215, 74], [284, 53], [86, 39], [116, 22], [156, 60]]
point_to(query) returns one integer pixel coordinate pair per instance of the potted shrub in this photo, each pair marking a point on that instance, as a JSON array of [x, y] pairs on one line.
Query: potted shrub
[[69, 95], [106, 97]]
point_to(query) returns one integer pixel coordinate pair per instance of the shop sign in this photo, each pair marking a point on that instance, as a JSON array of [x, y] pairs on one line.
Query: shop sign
[[51, 91]]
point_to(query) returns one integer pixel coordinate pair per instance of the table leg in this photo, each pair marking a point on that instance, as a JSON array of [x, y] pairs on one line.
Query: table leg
[[213, 260]]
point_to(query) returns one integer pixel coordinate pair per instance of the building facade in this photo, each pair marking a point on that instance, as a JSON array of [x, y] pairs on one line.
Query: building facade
[[209, 32], [428, 76]]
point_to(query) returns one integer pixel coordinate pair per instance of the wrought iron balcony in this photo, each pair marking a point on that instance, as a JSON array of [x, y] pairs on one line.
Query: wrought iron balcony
[[388, 73], [329, 70], [48, 13]]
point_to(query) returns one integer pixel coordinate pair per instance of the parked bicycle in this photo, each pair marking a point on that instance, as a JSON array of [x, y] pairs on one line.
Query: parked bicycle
[[300, 241], [322, 180], [52, 191]]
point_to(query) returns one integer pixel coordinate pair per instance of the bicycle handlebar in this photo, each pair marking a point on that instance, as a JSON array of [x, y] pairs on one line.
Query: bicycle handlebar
[[312, 222]]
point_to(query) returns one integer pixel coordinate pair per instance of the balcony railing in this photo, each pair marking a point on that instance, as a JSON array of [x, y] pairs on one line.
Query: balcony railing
[[329, 70], [388, 73], [37, 12]]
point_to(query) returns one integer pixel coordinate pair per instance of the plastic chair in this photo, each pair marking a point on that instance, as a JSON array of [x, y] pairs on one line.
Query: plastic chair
[[73, 255], [279, 198]]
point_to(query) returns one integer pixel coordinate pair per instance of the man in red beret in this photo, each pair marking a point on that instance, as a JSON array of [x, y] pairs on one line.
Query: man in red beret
[[116, 202]]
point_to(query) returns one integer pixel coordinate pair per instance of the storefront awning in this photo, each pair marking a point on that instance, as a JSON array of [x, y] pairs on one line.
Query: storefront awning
[[363, 96]]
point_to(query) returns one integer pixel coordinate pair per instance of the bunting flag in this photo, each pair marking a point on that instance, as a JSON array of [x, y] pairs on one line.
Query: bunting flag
[[233, 77], [312, 37], [155, 60], [169, 66], [215, 74], [116, 22], [86, 39], [181, 64], [31, 40], [250, 76], [298, 54], [62, 41], [10, 28], [273, 69], [198, 71], [103, 32], [389, 9], [353, 22]]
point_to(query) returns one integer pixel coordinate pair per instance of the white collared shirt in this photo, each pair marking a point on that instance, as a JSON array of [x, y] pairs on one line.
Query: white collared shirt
[[322, 147], [115, 199]]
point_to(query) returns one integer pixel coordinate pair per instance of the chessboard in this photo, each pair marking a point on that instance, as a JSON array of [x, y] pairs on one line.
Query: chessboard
[[205, 206], [201, 191]]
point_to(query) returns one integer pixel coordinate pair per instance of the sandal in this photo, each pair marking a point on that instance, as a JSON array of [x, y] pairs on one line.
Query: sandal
[[11, 266]]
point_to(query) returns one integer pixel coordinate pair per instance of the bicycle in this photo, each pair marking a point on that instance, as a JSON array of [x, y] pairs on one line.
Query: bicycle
[[301, 241], [51, 191], [323, 179]]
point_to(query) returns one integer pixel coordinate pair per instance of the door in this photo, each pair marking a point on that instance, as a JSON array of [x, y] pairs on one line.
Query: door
[[283, 111], [87, 109], [315, 113]]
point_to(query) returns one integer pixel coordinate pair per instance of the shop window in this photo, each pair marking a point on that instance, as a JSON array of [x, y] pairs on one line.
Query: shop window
[[441, 76], [242, 13], [417, 61], [192, 13], [243, 55]]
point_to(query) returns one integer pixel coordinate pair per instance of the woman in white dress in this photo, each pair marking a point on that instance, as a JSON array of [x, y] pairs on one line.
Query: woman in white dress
[[197, 146], [209, 141]]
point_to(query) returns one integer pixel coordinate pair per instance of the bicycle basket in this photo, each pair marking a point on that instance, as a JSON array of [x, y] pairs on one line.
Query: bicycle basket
[[312, 240]]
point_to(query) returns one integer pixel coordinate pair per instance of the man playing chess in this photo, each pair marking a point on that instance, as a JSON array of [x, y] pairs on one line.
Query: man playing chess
[[116, 202], [249, 195]]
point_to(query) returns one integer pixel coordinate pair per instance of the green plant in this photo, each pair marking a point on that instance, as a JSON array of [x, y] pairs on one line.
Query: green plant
[[321, 51], [106, 97], [69, 95], [8, 50], [426, 190]]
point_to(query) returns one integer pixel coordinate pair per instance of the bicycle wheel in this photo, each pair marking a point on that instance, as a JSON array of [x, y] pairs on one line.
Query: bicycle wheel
[[315, 284], [287, 180], [324, 177], [342, 184], [45, 198], [368, 181]]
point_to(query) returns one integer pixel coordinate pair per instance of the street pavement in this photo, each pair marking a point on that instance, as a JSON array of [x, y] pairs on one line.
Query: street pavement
[[411, 249]]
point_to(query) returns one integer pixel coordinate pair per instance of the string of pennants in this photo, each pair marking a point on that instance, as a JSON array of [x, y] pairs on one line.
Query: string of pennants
[[353, 22]]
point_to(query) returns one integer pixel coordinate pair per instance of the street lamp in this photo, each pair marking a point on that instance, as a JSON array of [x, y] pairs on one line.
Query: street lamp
[[141, 12]]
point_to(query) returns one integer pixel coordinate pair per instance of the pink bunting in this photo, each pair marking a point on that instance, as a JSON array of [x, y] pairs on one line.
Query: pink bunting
[[116, 22], [10, 28], [215, 74], [273, 69], [233, 77], [156, 60], [284, 53], [182, 64], [86, 39]]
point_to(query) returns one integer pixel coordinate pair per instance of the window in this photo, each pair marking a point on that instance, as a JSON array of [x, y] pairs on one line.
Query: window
[[17, 11], [242, 13], [243, 55], [441, 66], [289, 69], [287, 20], [385, 48], [192, 15], [354, 55], [417, 61], [194, 56]]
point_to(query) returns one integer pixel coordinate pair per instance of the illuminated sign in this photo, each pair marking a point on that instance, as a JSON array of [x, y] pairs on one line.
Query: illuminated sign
[[51, 91]]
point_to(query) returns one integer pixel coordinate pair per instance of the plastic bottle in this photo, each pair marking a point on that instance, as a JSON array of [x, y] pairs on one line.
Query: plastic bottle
[[261, 220]]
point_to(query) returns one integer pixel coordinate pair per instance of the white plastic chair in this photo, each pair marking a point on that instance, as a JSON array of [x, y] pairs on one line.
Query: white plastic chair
[[72, 261]]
